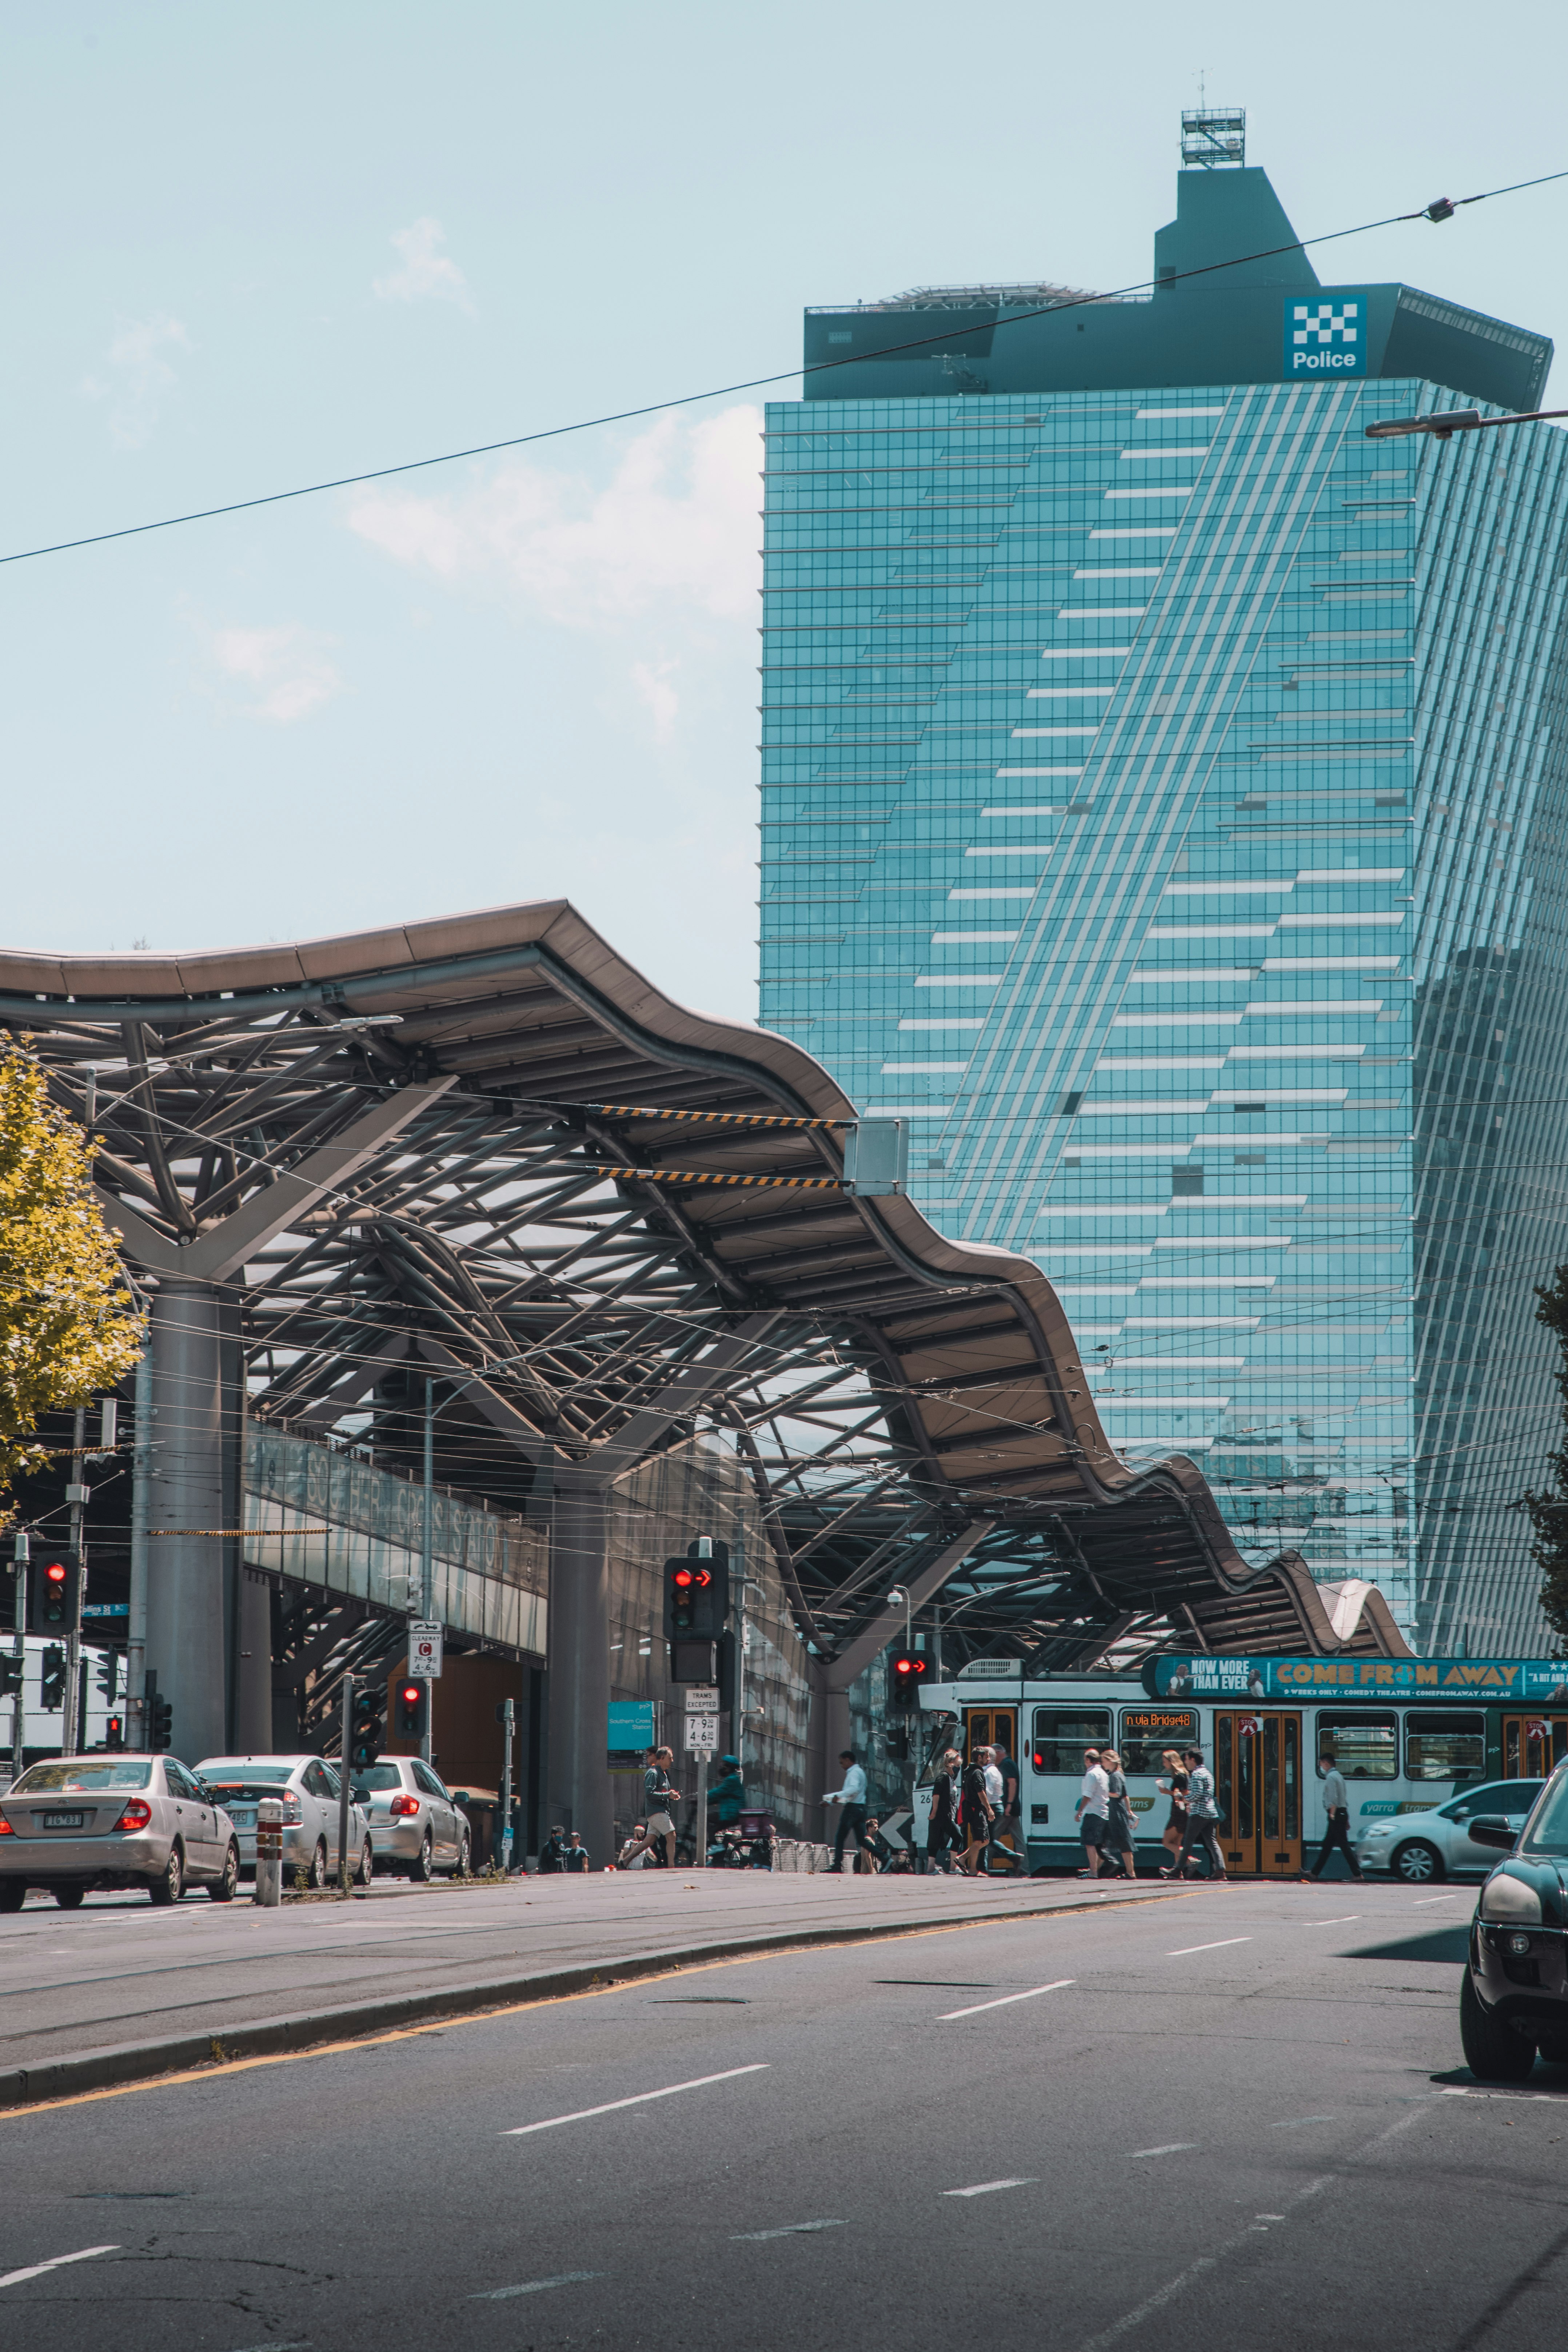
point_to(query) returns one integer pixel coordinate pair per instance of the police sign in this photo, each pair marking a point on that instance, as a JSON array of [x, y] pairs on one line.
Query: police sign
[[1325, 335]]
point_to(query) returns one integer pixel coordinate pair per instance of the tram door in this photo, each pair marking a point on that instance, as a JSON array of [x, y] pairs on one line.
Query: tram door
[[1533, 1744], [1258, 1787], [990, 1726]]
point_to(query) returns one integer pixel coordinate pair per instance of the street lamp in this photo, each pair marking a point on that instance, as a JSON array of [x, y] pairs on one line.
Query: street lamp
[[1442, 424]]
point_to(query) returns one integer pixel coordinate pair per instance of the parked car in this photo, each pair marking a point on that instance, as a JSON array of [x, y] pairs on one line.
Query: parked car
[[80, 1822], [1513, 2001], [416, 1823], [308, 1788], [1427, 1845]]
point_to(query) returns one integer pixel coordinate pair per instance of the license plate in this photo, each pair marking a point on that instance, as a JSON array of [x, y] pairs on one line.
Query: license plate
[[64, 1821], [241, 1821]]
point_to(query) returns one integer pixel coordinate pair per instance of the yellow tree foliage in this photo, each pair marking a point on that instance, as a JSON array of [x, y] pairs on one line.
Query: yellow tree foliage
[[69, 1328]]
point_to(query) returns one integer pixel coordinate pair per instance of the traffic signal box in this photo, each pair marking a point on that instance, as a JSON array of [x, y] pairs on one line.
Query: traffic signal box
[[367, 1725], [159, 1717], [696, 1612], [56, 1580], [52, 1679], [412, 1704], [907, 1670]]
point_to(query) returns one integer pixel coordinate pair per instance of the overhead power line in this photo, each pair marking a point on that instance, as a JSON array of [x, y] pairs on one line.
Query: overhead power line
[[1442, 209]]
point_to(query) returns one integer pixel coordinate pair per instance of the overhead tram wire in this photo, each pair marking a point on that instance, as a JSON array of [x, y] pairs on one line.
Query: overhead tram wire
[[1443, 209]]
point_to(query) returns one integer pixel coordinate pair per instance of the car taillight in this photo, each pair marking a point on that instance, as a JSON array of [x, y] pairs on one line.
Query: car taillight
[[136, 1816], [291, 1813], [5, 1828], [405, 1804]]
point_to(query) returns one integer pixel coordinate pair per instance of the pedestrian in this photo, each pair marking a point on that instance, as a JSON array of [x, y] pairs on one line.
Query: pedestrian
[[660, 1795], [1093, 1806], [726, 1798], [1337, 1805], [1121, 1835], [975, 1814], [1174, 1787], [941, 1829], [637, 1853], [577, 1854], [1203, 1816], [552, 1853], [1007, 1841], [851, 1800]]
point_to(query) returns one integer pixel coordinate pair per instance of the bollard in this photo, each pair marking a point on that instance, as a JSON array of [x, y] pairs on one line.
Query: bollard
[[269, 1852]]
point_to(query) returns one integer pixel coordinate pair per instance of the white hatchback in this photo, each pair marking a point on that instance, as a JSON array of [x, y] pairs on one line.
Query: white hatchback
[[1422, 1846]]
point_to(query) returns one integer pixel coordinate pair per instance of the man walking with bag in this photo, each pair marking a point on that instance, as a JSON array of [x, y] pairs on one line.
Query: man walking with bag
[[1337, 1805]]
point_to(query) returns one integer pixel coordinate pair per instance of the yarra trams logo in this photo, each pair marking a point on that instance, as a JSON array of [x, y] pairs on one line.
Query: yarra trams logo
[[1325, 335]]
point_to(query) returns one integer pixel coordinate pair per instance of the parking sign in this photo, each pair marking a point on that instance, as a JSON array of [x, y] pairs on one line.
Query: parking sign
[[425, 1648]]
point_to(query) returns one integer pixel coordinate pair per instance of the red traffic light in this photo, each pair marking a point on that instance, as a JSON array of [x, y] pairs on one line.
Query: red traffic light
[[410, 1694], [683, 1576], [56, 1571]]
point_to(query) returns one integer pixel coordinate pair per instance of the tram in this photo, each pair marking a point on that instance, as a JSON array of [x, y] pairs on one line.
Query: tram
[[1407, 1734]]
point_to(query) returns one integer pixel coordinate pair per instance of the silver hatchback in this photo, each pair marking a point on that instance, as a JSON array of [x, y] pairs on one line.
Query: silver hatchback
[[416, 1823], [80, 1821], [307, 1787]]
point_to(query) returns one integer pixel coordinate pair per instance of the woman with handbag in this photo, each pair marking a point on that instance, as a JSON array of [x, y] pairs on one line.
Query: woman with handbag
[[1176, 1788]]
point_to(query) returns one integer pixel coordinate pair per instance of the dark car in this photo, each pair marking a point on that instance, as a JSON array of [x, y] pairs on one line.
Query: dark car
[[1514, 2000]]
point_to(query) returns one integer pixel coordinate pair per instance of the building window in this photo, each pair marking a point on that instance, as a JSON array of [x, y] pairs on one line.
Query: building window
[[1186, 1179]]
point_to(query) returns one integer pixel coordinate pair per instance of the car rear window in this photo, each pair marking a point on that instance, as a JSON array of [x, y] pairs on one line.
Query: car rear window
[[47, 1780], [219, 1775], [379, 1776]]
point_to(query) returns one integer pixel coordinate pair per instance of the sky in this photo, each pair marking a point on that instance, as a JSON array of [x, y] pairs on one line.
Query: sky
[[247, 249]]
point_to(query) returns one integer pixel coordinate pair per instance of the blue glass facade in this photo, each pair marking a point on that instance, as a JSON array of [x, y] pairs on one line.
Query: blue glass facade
[[1162, 805]]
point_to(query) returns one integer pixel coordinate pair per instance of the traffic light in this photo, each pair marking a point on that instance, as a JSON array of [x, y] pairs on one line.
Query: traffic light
[[907, 1669], [53, 1680], [56, 1580], [159, 1719], [108, 1676], [367, 1725], [10, 1674], [413, 1708], [114, 1732], [697, 1595]]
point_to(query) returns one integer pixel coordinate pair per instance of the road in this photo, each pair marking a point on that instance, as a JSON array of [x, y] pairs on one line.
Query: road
[[1232, 2116]]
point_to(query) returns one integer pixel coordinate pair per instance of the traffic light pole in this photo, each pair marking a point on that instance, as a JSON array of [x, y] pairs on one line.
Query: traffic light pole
[[19, 1653], [77, 1493], [345, 1767], [427, 1548], [136, 1619]]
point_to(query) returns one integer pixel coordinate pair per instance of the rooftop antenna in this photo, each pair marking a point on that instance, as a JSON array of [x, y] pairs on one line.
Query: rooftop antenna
[[1214, 137]]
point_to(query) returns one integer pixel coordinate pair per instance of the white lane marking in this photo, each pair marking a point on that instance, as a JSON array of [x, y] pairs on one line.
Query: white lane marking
[[1342, 1921], [989, 2187], [1433, 1898], [790, 2230], [37, 2270], [1224, 1941], [581, 2115], [1171, 2147], [1290, 2121], [1268, 2217], [535, 2287], [1548, 2098], [1007, 1998]]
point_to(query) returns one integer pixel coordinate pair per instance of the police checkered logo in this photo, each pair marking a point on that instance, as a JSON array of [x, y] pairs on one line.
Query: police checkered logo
[[1326, 335]]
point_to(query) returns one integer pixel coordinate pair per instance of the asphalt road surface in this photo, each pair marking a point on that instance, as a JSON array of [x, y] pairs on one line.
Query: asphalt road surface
[[1231, 2118]]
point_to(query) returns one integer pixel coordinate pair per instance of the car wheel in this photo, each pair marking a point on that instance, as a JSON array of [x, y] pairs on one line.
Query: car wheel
[[70, 1898], [366, 1870], [419, 1868], [317, 1876], [170, 1883], [465, 1858], [1417, 1864], [1554, 2049], [222, 1890], [13, 1893], [1494, 2053]]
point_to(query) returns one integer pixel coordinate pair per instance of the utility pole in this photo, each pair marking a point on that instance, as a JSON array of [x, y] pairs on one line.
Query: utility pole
[[77, 1493], [136, 1618], [427, 1549], [19, 1655], [509, 1720], [346, 1766]]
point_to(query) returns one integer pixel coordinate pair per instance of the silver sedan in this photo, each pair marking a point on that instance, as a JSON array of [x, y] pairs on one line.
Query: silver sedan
[[307, 1787], [416, 1823], [80, 1821]]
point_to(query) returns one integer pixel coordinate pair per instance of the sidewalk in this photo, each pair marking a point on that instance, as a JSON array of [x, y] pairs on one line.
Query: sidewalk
[[117, 1990]]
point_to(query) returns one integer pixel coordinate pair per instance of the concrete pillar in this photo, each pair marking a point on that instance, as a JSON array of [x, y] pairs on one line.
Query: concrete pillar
[[253, 1667], [186, 1646], [578, 1793], [826, 1739]]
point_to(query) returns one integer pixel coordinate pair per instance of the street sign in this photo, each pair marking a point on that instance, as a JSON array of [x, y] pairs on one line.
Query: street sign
[[702, 1698], [700, 1734], [631, 1724], [425, 1648], [892, 1829]]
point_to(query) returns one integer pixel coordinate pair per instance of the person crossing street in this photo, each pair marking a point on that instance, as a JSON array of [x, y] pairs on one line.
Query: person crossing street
[[851, 1798], [1337, 1805]]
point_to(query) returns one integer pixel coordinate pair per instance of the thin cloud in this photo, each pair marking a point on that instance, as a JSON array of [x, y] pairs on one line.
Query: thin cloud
[[140, 377], [286, 669], [427, 274]]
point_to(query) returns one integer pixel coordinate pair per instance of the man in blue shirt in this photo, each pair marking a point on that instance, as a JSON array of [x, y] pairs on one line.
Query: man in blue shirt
[[852, 1798]]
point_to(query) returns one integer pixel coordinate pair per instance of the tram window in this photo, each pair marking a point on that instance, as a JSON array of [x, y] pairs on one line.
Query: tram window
[[1062, 1733], [1148, 1731], [1365, 1747], [1445, 1747]]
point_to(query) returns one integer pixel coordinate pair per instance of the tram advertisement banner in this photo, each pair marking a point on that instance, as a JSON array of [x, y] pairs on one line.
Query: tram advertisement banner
[[1445, 1679]]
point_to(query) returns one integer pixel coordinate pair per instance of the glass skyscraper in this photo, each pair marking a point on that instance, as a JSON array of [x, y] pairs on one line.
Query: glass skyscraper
[[1163, 804]]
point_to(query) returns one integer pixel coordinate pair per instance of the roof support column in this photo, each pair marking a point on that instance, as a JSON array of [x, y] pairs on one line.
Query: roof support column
[[577, 1782], [186, 1581]]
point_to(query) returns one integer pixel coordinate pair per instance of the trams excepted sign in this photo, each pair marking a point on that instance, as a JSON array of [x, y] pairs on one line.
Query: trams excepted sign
[[425, 1649]]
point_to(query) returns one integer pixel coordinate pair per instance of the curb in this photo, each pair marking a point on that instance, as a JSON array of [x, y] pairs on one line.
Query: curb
[[136, 2062]]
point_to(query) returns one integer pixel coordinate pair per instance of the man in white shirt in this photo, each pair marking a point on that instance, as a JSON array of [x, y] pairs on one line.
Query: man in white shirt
[[852, 1798], [1337, 1805], [1093, 1810]]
